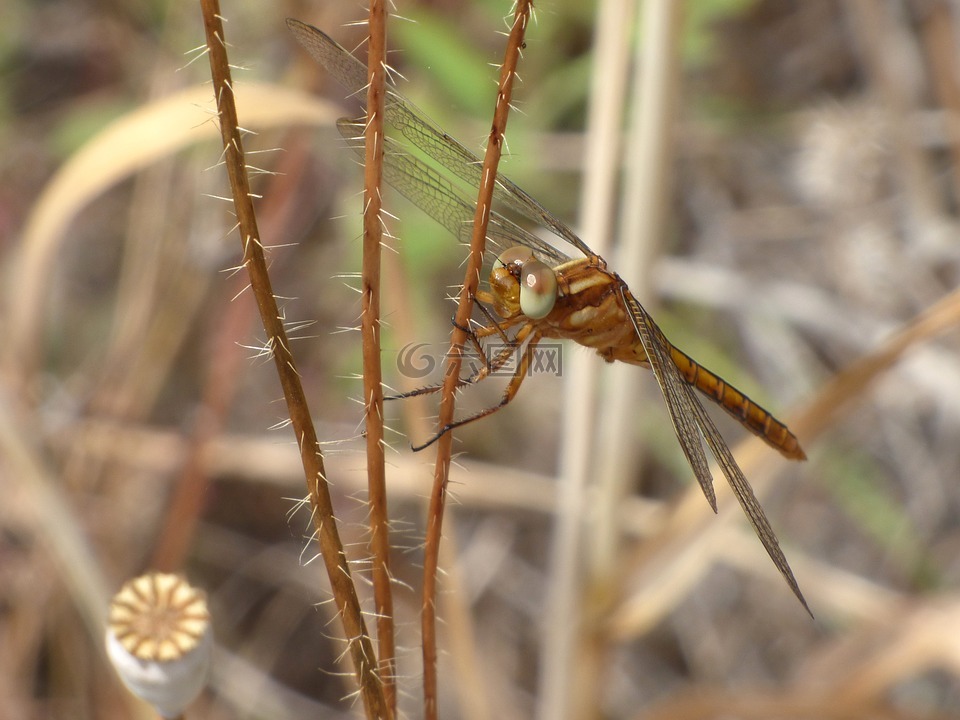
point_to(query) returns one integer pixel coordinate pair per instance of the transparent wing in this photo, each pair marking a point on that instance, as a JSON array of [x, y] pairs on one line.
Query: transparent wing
[[691, 423], [421, 132], [433, 193]]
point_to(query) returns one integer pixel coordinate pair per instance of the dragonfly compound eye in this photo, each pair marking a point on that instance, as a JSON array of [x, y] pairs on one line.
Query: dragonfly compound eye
[[538, 289], [515, 258]]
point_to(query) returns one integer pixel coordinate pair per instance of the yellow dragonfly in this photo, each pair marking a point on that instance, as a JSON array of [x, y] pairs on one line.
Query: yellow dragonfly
[[536, 291]]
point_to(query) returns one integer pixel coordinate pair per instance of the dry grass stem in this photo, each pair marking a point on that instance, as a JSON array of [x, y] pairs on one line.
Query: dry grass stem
[[562, 684], [471, 283], [331, 547], [370, 330]]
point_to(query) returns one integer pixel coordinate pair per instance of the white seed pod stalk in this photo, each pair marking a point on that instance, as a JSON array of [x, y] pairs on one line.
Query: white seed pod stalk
[[160, 642]]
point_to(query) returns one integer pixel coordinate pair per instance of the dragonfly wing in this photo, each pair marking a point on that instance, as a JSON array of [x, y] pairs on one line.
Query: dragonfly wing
[[691, 422], [433, 193], [675, 392], [344, 67], [423, 133], [746, 497], [463, 163]]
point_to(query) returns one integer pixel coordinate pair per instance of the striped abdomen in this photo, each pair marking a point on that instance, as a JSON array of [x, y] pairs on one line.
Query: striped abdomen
[[746, 411]]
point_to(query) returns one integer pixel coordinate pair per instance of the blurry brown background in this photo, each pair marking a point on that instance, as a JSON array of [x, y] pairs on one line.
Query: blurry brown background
[[812, 214]]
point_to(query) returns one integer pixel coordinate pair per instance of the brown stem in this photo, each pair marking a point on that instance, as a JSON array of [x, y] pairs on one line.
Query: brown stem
[[370, 329], [338, 570], [471, 282]]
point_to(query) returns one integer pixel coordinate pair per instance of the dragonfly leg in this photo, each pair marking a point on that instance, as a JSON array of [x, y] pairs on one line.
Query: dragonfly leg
[[429, 389], [471, 334], [510, 345], [496, 325], [527, 331], [488, 366]]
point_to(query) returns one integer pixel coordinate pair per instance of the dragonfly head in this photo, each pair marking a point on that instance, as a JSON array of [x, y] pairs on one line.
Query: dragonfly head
[[520, 283]]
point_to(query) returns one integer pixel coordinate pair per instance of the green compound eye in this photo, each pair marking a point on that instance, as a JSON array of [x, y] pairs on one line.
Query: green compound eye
[[538, 289]]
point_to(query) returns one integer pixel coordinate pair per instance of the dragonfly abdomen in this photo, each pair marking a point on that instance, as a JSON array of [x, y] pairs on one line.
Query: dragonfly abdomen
[[753, 417], [590, 311]]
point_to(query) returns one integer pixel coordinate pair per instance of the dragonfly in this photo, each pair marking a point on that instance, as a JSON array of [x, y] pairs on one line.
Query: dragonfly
[[538, 289]]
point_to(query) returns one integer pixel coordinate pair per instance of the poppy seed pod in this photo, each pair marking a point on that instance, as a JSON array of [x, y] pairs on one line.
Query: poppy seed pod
[[159, 640]]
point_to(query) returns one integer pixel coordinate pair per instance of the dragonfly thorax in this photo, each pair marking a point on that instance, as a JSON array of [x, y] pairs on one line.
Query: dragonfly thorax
[[522, 284]]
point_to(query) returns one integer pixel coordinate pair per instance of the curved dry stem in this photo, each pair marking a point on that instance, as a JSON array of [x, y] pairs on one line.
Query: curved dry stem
[[837, 395], [338, 570], [471, 282], [121, 149]]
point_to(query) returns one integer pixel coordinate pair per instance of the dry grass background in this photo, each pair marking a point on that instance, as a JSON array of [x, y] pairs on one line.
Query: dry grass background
[[811, 229]]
